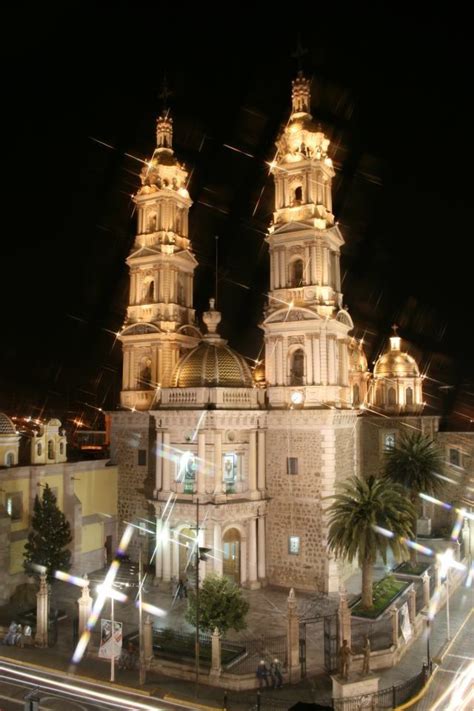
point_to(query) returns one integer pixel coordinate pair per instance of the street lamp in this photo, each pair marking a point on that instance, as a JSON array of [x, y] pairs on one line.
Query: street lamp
[[446, 559]]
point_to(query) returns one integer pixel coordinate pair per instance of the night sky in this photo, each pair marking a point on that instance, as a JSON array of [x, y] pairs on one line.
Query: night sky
[[392, 92]]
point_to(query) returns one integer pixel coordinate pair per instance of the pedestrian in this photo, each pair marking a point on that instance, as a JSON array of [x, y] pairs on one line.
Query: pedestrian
[[11, 634], [275, 671], [262, 674], [27, 640], [179, 589], [185, 587], [19, 636]]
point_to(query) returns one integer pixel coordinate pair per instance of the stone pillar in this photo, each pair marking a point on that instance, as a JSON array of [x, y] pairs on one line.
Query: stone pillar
[[159, 462], [201, 482], [148, 639], [279, 361], [344, 615], [85, 605], [426, 589], [314, 276], [253, 553], [216, 653], [217, 548], [331, 360], [158, 551], [218, 463], [394, 613], [243, 561], [293, 639], [412, 605], [252, 484], [316, 350], [166, 546], [166, 462], [309, 360], [282, 257], [261, 548], [42, 609], [261, 460]]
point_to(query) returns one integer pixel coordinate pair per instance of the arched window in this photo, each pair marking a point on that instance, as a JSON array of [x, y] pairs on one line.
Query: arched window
[[9, 460], [50, 449], [409, 396], [355, 395], [379, 397], [61, 448], [298, 195], [145, 374], [39, 449], [392, 397], [297, 367], [296, 272], [151, 291]]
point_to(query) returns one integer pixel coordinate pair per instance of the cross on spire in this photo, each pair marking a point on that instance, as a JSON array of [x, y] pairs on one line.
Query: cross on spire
[[299, 53], [394, 329], [165, 93]]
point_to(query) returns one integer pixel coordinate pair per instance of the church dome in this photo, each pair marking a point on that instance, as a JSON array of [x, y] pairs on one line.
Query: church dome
[[212, 364], [395, 364], [6, 425]]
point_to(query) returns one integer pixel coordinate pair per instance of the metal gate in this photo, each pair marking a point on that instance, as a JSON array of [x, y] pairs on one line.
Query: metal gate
[[330, 628]]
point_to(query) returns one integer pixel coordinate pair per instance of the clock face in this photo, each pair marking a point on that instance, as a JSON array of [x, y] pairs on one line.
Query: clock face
[[296, 397]]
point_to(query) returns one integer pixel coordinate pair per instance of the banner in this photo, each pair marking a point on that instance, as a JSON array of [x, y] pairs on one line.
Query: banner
[[405, 622], [110, 644]]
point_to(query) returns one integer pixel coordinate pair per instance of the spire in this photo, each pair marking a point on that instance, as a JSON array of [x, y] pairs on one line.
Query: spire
[[395, 339], [212, 319], [164, 122], [300, 95]]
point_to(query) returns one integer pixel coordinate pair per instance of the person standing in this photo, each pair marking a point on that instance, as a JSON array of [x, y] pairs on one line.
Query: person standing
[[275, 671], [262, 674]]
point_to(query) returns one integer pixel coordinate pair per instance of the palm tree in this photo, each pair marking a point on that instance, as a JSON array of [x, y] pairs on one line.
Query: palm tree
[[359, 506], [413, 463]]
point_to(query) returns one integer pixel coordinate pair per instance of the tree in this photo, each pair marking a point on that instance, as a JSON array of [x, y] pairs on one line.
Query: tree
[[358, 507], [50, 535], [413, 463], [221, 605]]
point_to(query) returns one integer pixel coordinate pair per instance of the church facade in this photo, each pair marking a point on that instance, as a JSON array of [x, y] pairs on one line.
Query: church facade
[[255, 453]]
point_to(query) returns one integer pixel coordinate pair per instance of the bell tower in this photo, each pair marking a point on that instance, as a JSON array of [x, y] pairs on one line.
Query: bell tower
[[160, 315], [306, 341]]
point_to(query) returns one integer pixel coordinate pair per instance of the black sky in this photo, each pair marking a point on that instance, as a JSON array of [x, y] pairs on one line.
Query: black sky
[[391, 88]]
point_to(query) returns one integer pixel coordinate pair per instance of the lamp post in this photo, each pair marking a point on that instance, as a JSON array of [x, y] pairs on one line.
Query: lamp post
[[112, 595], [446, 560]]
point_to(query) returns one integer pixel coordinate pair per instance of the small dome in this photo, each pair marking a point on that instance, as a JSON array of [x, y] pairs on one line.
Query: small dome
[[54, 422], [259, 374], [212, 365], [6, 425], [396, 364], [357, 358]]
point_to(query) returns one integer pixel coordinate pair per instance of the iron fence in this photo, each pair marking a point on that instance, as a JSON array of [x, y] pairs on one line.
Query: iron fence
[[249, 652], [388, 698]]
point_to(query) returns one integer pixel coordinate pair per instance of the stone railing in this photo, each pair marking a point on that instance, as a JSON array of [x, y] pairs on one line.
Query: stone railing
[[226, 398]]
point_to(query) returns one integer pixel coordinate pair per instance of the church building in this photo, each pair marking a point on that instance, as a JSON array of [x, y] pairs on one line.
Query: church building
[[261, 450]]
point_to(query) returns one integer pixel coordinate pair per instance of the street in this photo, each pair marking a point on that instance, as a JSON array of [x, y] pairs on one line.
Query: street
[[54, 690]]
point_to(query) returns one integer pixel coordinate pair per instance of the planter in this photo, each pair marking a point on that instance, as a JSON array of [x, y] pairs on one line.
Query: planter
[[407, 571], [382, 602]]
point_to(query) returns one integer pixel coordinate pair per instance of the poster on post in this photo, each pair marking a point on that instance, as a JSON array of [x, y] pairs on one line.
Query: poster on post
[[405, 622], [110, 643]]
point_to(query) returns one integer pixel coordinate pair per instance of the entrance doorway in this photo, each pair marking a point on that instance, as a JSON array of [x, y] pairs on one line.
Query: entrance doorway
[[231, 555]]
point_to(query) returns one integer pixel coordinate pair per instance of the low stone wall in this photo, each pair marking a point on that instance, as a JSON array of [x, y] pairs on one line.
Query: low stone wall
[[180, 670]]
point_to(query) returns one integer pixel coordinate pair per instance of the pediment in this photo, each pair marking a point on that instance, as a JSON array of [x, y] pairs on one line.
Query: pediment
[[295, 314], [140, 329]]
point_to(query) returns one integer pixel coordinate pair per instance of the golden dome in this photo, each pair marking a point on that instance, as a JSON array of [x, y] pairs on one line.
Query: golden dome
[[357, 358], [212, 365], [396, 364]]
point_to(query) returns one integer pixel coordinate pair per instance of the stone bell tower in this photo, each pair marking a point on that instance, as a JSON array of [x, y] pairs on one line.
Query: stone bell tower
[[306, 355], [160, 316], [311, 426]]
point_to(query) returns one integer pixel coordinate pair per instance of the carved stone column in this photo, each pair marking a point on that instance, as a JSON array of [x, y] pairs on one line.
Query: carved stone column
[[293, 639], [42, 609]]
